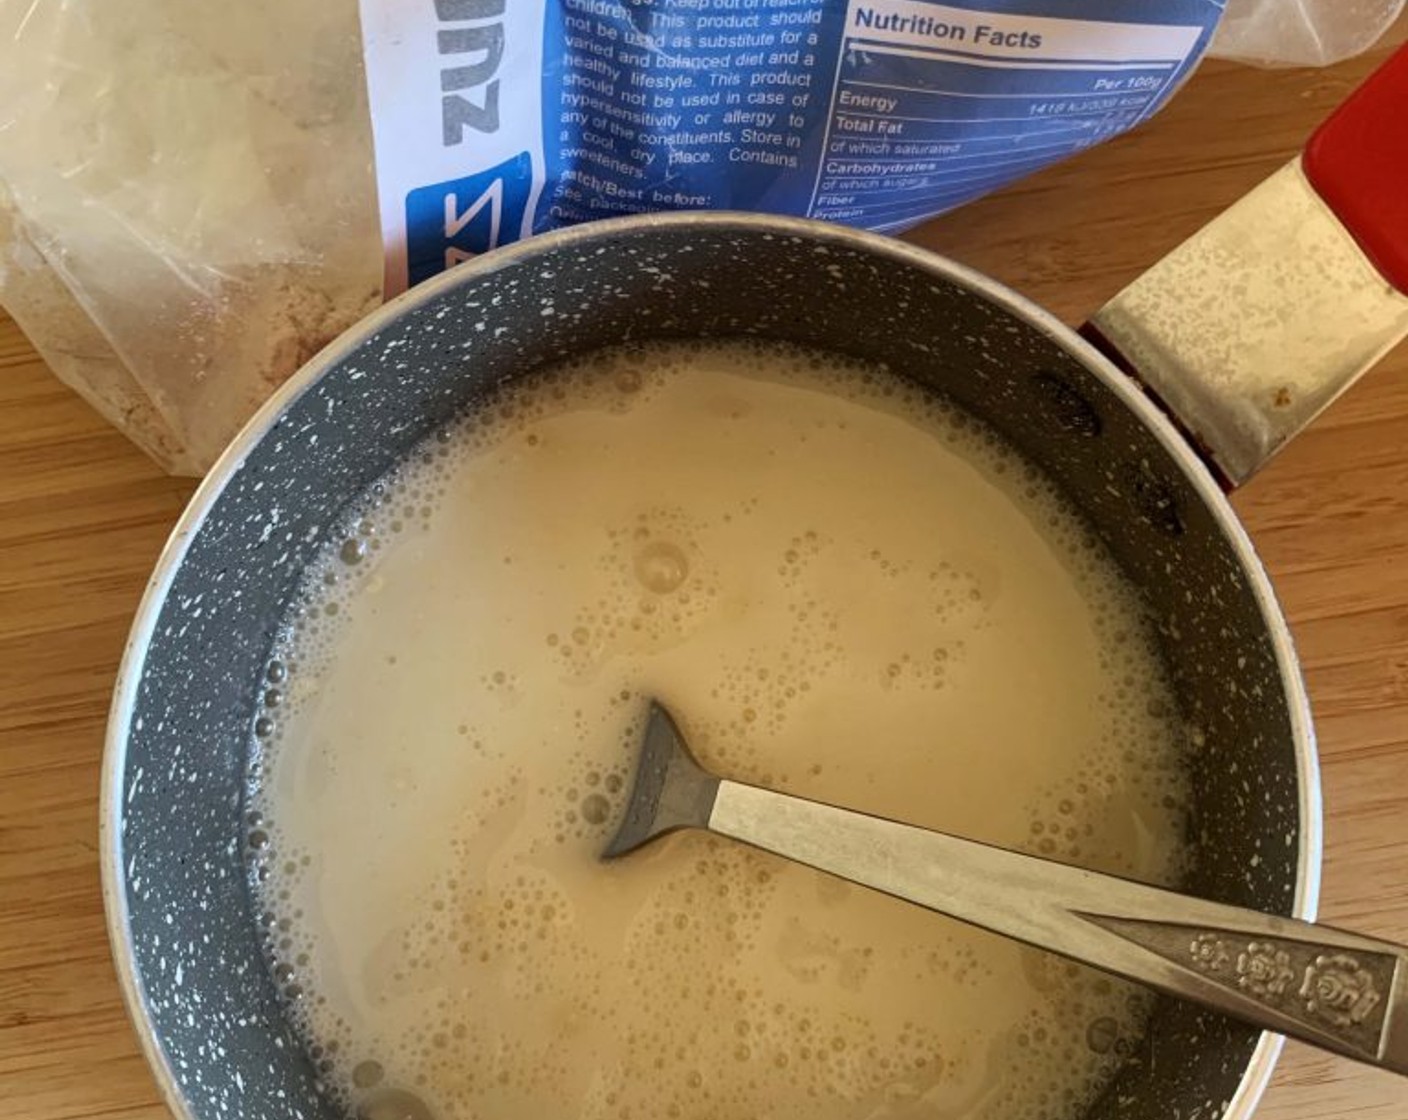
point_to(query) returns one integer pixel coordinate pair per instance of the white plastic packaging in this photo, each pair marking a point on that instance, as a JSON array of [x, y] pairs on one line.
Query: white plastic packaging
[[1301, 32]]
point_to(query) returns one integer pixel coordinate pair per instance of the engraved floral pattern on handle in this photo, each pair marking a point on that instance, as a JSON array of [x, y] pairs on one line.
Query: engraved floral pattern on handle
[[1286, 978], [1209, 952], [1264, 970], [1338, 989]]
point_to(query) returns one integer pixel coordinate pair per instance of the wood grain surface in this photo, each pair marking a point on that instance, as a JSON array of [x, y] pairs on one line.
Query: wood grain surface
[[83, 516]]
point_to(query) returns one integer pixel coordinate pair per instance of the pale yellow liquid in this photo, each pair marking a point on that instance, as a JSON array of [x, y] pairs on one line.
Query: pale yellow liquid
[[845, 591]]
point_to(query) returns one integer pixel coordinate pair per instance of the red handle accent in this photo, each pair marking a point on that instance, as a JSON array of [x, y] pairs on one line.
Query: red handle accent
[[1357, 161]]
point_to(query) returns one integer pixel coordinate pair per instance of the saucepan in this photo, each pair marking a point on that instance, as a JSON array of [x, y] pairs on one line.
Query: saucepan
[[1242, 335]]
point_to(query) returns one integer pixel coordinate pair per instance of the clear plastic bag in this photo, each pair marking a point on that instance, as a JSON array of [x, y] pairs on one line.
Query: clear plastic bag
[[1301, 32], [188, 206]]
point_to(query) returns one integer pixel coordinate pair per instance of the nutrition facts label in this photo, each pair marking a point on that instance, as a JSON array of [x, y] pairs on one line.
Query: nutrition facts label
[[496, 119], [933, 105]]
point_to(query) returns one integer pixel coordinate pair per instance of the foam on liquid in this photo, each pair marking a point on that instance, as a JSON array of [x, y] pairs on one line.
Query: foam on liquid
[[848, 591]]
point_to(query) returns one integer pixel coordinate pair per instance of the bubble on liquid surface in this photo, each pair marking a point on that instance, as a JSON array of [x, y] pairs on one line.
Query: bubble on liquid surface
[[1102, 1034], [367, 1074], [393, 1104], [661, 566], [353, 550], [596, 808]]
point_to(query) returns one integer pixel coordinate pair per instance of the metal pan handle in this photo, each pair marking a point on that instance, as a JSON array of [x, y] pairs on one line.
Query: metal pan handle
[[1251, 327]]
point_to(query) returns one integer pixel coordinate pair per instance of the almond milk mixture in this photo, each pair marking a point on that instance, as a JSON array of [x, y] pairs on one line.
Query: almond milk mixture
[[847, 590]]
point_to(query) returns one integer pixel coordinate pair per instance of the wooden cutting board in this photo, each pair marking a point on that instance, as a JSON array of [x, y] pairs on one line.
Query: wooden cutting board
[[83, 515]]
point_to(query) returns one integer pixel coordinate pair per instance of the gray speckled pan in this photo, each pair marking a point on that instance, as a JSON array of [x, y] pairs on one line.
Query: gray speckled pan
[[178, 909]]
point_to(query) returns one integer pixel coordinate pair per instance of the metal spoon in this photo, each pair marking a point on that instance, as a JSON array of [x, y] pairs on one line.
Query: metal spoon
[[1335, 990]]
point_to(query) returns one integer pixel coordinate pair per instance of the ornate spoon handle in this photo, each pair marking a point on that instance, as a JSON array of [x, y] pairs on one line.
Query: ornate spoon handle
[[1334, 989]]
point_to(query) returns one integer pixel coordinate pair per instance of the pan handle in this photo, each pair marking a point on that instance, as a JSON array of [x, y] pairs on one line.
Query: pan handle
[[1252, 326]]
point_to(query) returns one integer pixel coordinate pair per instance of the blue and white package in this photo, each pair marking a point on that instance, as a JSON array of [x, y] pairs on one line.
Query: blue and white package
[[497, 119]]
